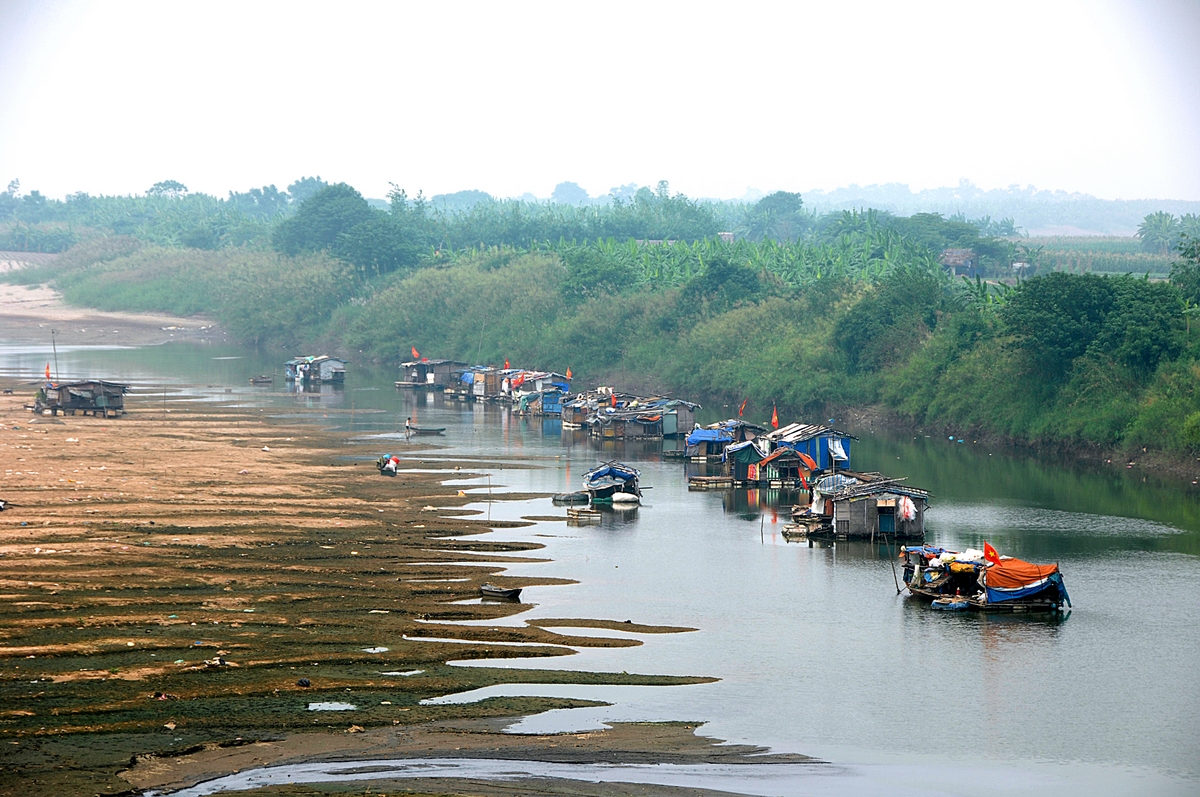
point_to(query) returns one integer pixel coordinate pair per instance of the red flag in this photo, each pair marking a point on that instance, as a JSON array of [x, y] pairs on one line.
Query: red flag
[[614, 399], [416, 354], [47, 370], [774, 417], [506, 363], [989, 553], [742, 408], [568, 372]]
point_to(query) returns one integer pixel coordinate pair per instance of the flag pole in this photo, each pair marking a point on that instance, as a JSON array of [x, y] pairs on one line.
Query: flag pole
[[53, 345]]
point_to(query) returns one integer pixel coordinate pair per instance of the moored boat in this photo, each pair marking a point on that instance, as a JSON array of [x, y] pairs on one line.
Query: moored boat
[[264, 379], [500, 593], [426, 429], [982, 581], [613, 482]]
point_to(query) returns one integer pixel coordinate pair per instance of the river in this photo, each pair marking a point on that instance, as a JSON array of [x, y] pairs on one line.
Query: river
[[815, 651]]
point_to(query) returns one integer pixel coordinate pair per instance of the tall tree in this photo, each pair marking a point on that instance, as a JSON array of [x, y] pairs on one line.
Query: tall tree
[[170, 189], [306, 188], [332, 211], [1159, 232]]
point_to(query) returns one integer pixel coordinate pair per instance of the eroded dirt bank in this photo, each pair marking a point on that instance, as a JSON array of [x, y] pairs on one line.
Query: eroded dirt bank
[[191, 578]]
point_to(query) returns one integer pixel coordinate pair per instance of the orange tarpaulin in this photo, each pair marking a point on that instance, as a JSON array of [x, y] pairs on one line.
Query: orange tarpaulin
[[1015, 573], [779, 452]]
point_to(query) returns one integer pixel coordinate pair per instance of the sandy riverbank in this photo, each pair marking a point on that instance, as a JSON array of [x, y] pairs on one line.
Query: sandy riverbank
[[186, 576], [28, 313]]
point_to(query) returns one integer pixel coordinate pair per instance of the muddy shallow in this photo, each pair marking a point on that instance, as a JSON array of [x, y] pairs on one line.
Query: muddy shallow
[[188, 576]]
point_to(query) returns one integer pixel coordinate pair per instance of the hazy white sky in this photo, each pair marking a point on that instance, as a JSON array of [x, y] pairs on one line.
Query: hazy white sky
[[1098, 96]]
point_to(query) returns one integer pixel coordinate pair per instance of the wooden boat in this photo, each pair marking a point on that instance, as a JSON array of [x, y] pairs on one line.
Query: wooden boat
[[425, 429], [500, 593], [265, 379], [949, 579], [604, 483]]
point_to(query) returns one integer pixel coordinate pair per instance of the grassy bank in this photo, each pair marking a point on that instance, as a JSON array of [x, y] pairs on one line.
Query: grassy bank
[[868, 318]]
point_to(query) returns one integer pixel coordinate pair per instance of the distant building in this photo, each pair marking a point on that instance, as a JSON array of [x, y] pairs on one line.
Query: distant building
[[311, 369], [427, 373], [960, 261], [89, 397]]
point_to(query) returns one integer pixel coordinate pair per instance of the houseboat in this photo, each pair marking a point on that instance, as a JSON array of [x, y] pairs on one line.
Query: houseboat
[[427, 374], [314, 370], [613, 482], [982, 581], [850, 505], [708, 443]]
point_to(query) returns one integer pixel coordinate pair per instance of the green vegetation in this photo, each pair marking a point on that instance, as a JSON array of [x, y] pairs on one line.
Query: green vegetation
[[801, 309]]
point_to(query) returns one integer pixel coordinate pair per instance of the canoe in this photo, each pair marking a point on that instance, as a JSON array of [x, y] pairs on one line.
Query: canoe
[[501, 593], [262, 380], [426, 429], [571, 498]]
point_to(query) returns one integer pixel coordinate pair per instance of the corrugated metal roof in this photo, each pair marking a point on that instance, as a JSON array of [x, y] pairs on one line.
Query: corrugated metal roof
[[799, 432]]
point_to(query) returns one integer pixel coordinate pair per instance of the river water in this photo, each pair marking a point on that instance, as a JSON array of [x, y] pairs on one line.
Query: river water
[[815, 651]]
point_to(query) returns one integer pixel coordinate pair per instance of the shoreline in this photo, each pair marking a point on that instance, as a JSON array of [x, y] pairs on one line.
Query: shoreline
[[28, 313], [190, 578]]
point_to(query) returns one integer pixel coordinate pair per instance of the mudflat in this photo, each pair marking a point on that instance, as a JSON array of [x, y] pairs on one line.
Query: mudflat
[[183, 582]]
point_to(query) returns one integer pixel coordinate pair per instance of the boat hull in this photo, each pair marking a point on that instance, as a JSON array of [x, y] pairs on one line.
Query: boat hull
[[500, 593]]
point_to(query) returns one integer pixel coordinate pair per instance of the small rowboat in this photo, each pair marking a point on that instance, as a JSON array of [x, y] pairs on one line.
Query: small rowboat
[[265, 379], [955, 604], [425, 429], [500, 593], [571, 498]]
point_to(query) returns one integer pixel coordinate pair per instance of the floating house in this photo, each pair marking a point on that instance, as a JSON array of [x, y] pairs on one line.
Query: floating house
[[709, 442], [429, 374], [826, 446], [626, 424], [542, 402], [308, 370], [612, 414], [753, 463], [475, 382], [516, 382], [850, 505], [88, 397]]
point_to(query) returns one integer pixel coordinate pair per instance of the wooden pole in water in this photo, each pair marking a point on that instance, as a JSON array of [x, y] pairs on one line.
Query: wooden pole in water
[[892, 556]]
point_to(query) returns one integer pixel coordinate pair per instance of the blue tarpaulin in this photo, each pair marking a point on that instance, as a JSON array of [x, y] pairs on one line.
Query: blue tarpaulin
[[708, 436]]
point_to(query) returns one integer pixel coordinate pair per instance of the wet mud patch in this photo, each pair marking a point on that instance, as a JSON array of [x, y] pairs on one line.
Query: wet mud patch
[[200, 576]]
